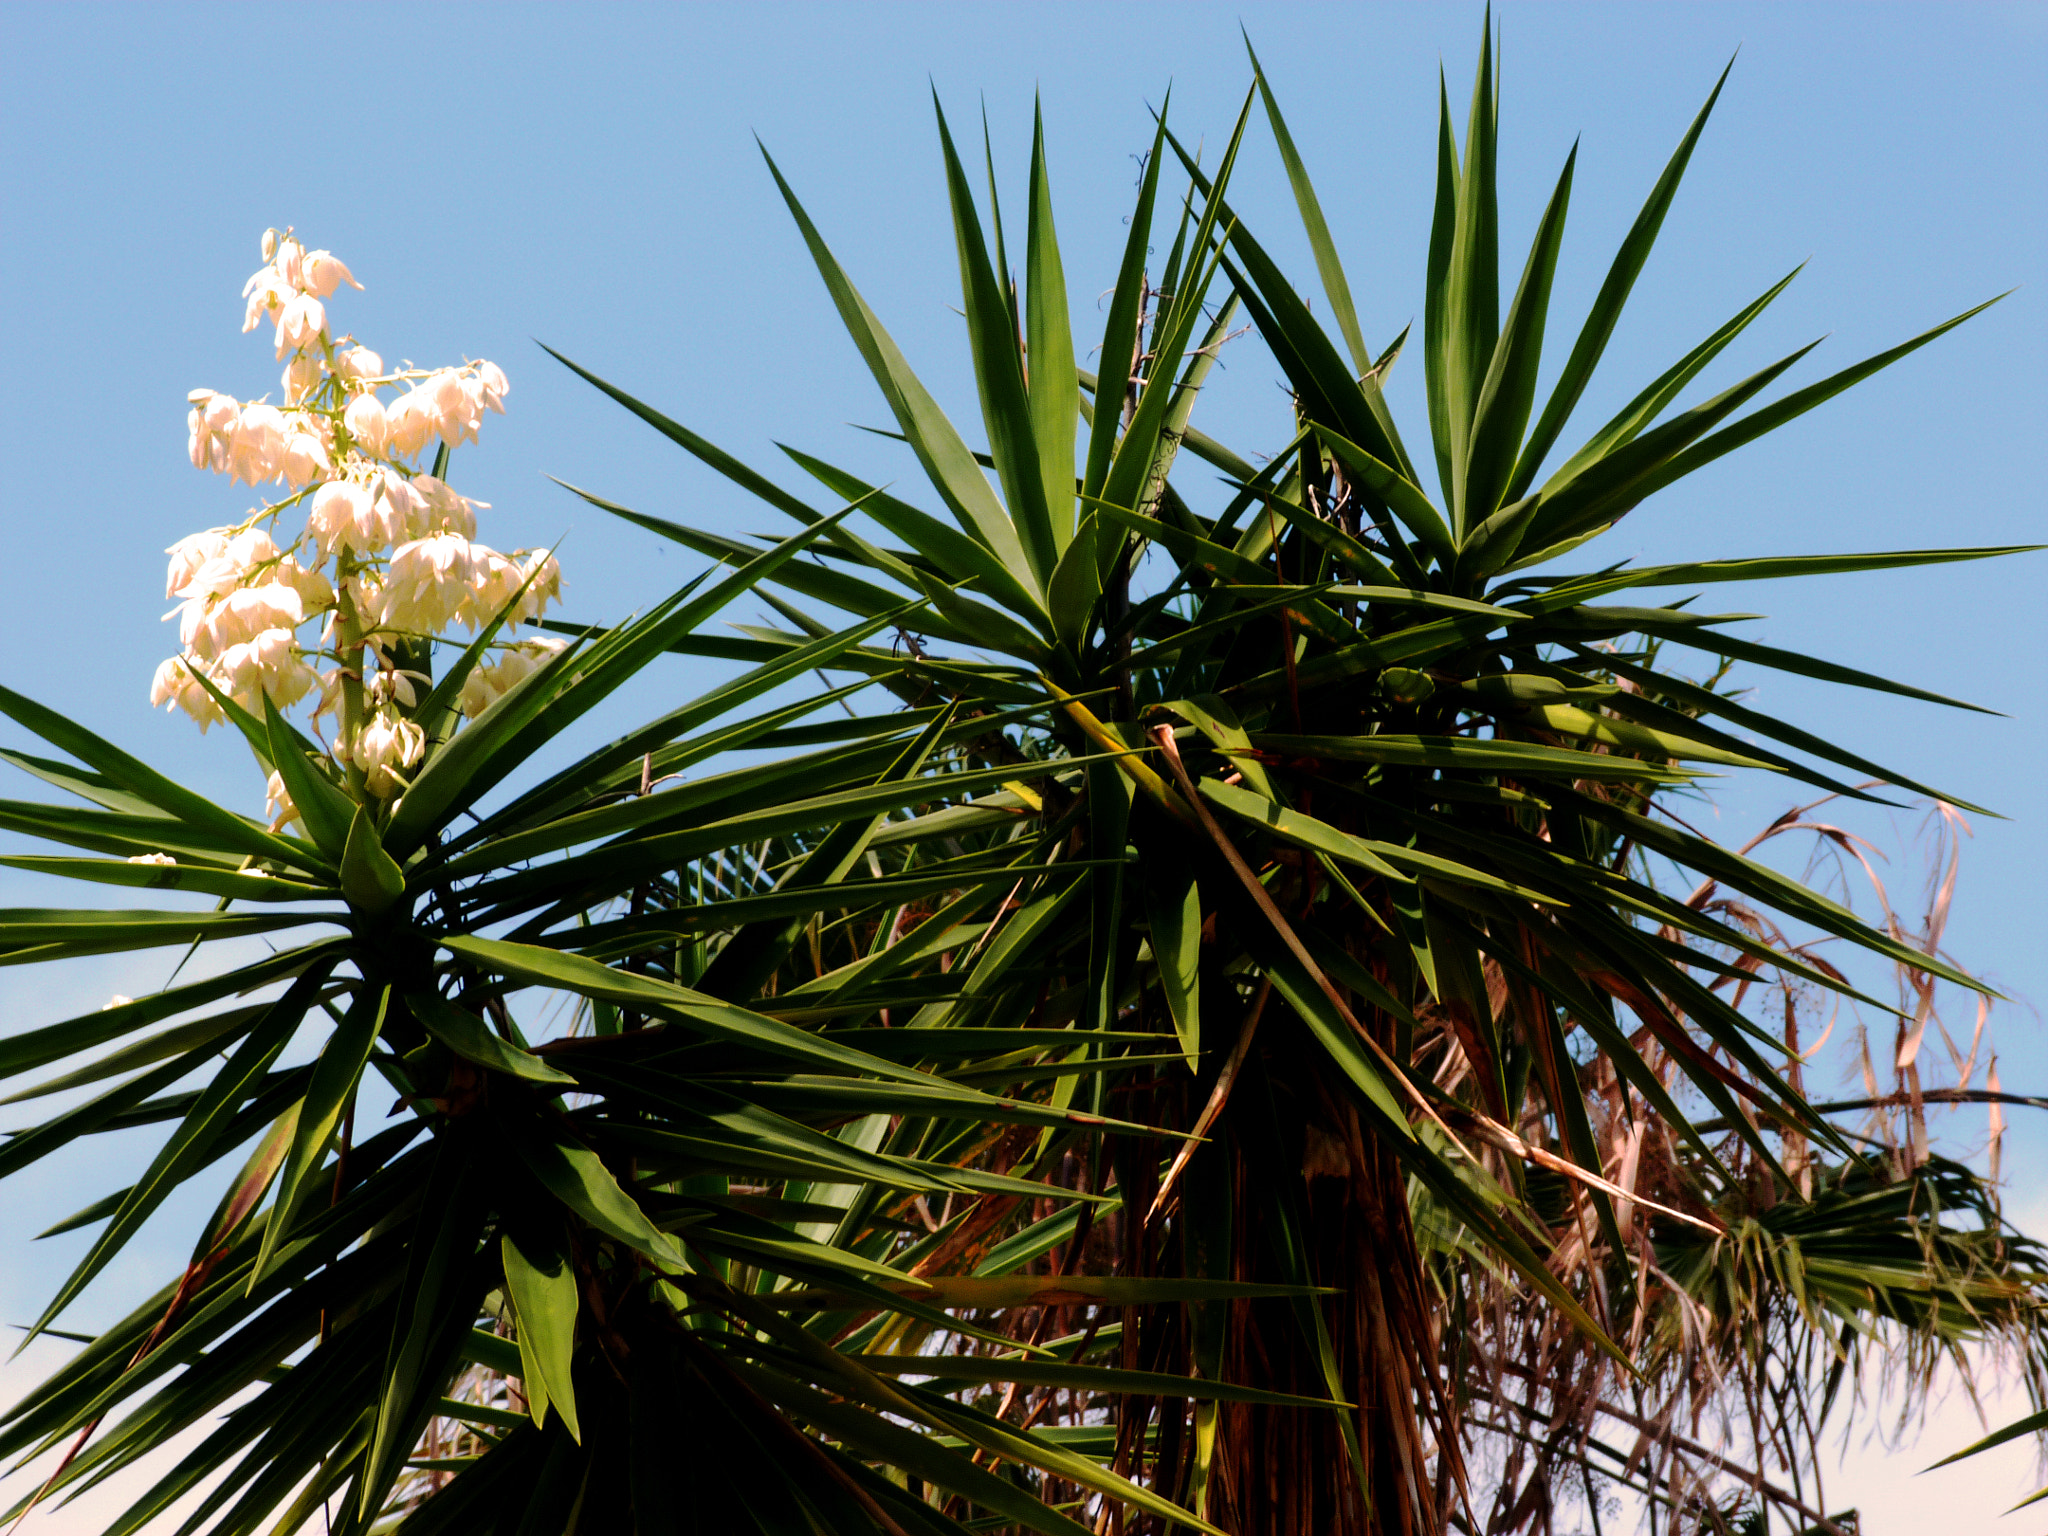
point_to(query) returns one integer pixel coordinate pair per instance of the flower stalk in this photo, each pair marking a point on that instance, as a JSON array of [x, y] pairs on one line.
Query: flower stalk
[[385, 562]]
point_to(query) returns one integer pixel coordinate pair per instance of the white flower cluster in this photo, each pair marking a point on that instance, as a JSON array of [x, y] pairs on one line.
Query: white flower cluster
[[486, 685], [387, 553]]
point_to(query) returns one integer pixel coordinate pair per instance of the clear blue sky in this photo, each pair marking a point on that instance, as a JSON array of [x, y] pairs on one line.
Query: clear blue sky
[[588, 177]]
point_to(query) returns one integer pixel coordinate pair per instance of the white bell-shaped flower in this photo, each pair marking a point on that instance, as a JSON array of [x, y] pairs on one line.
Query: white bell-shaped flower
[[304, 459], [268, 293], [198, 441], [384, 748], [446, 512], [212, 627], [491, 386], [316, 592], [413, 420], [366, 591], [302, 376], [341, 510], [431, 582], [266, 664], [330, 685], [277, 803], [321, 272], [252, 552], [211, 567], [360, 363], [541, 574], [487, 684], [211, 423], [401, 510], [391, 685], [477, 693], [290, 262], [241, 560], [494, 587], [300, 323], [189, 554], [456, 414], [174, 687], [256, 445], [163, 687], [367, 423]]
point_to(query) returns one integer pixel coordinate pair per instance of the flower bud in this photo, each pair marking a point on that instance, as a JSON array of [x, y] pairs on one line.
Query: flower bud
[[269, 245]]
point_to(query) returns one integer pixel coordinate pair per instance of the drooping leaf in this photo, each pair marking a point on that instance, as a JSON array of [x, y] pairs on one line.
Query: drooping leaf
[[544, 1301]]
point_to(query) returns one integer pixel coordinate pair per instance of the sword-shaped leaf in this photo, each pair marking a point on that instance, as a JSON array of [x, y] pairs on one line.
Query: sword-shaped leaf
[[1049, 348], [188, 1148], [544, 1300], [947, 460], [1507, 393], [333, 1086], [557, 693], [1607, 305], [993, 340], [167, 796]]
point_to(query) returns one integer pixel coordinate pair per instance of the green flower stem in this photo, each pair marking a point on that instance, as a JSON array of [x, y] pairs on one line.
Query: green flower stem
[[350, 634]]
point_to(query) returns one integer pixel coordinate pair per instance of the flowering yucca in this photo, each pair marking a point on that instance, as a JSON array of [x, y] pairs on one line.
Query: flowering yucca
[[384, 557], [673, 1225]]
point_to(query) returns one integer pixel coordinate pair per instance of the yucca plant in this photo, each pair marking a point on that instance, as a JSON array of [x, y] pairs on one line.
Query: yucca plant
[[1366, 794], [603, 1265], [846, 1184], [598, 1193]]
